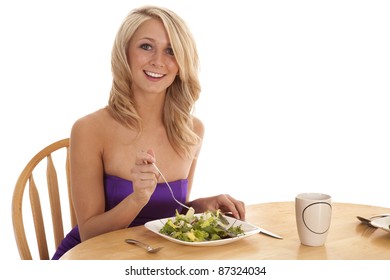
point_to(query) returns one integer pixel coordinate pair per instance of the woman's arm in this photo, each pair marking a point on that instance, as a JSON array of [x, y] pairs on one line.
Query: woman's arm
[[87, 175], [223, 201], [199, 130]]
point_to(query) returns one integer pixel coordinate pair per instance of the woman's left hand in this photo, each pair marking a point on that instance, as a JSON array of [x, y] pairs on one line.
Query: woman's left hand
[[224, 202]]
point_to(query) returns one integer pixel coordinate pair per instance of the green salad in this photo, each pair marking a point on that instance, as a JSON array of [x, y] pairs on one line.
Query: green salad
[[210, 225]]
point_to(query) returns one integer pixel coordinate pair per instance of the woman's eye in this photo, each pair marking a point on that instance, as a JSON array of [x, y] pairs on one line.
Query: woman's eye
[[170, 51], [146, 47]]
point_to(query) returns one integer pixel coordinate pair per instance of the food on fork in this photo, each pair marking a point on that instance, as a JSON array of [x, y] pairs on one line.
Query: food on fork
[[207, 226]]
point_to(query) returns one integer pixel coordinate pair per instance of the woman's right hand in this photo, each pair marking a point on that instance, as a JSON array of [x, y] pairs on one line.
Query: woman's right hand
[[144, 176]]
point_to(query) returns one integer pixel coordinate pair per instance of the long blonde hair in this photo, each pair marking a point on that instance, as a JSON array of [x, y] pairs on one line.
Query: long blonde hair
[[181, 95]]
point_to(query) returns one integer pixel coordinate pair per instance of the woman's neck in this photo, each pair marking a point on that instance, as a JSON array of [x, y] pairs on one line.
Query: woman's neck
[[150, 108]]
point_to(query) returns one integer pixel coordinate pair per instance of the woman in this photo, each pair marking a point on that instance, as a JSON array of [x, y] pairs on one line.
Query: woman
[[147, 123]]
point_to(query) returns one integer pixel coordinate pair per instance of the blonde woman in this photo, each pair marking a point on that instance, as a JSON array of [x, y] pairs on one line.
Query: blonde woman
[[148, 122]]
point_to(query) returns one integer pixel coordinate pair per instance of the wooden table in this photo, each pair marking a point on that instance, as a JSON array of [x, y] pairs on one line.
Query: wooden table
[[347, 239]]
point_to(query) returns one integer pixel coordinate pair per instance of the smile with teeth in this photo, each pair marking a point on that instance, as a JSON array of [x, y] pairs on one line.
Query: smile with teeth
[[154, 75]]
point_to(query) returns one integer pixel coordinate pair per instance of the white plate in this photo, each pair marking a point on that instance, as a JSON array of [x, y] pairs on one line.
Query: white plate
[[248, 228], [382, 223]]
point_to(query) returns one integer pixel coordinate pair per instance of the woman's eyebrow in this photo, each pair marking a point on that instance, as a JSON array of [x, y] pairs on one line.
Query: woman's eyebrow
[[154, 41], [147, 38]]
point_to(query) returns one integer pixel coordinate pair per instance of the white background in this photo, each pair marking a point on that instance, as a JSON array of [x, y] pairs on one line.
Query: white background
[[295, 94]]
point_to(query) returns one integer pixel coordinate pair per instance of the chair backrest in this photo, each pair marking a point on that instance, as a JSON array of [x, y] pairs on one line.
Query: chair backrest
[[38, 213]]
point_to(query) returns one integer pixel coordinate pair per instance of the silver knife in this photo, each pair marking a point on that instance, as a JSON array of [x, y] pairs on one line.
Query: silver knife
[[263, 231], [267, 232]]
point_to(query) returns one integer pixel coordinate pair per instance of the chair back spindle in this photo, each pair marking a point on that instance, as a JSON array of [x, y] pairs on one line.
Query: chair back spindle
[[38, 215]]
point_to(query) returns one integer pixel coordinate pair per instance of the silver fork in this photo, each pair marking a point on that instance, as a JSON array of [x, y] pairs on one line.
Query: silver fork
[[369, 230], [148, 248], [170, 189]]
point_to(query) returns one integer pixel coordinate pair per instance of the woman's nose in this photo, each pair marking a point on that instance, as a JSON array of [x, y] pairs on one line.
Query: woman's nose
[[157, 60]]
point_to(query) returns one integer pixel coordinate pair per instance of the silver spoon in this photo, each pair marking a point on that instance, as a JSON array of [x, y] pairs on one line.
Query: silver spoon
[[365, 221], [368, 221], [148, 248]]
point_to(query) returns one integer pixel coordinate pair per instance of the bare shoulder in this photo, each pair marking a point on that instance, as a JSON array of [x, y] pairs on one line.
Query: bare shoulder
[[88, 122], [198, 126], [91, 127]]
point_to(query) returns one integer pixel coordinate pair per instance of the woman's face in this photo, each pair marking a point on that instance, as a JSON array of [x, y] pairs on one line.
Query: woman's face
[[151, 58]]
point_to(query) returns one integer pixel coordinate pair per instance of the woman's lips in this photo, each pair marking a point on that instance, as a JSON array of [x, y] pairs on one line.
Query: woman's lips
[[154, 75]]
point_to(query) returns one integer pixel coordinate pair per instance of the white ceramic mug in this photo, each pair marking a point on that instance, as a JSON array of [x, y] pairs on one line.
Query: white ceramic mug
[[313, 213]]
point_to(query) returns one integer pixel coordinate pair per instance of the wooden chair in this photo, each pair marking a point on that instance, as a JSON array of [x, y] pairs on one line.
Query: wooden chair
[[37, 207]]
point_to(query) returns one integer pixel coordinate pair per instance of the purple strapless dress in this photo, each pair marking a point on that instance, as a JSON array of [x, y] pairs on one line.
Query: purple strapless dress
[[160, 205]]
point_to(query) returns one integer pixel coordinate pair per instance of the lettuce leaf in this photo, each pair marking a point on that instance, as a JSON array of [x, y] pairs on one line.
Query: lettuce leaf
[[210, 225]]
